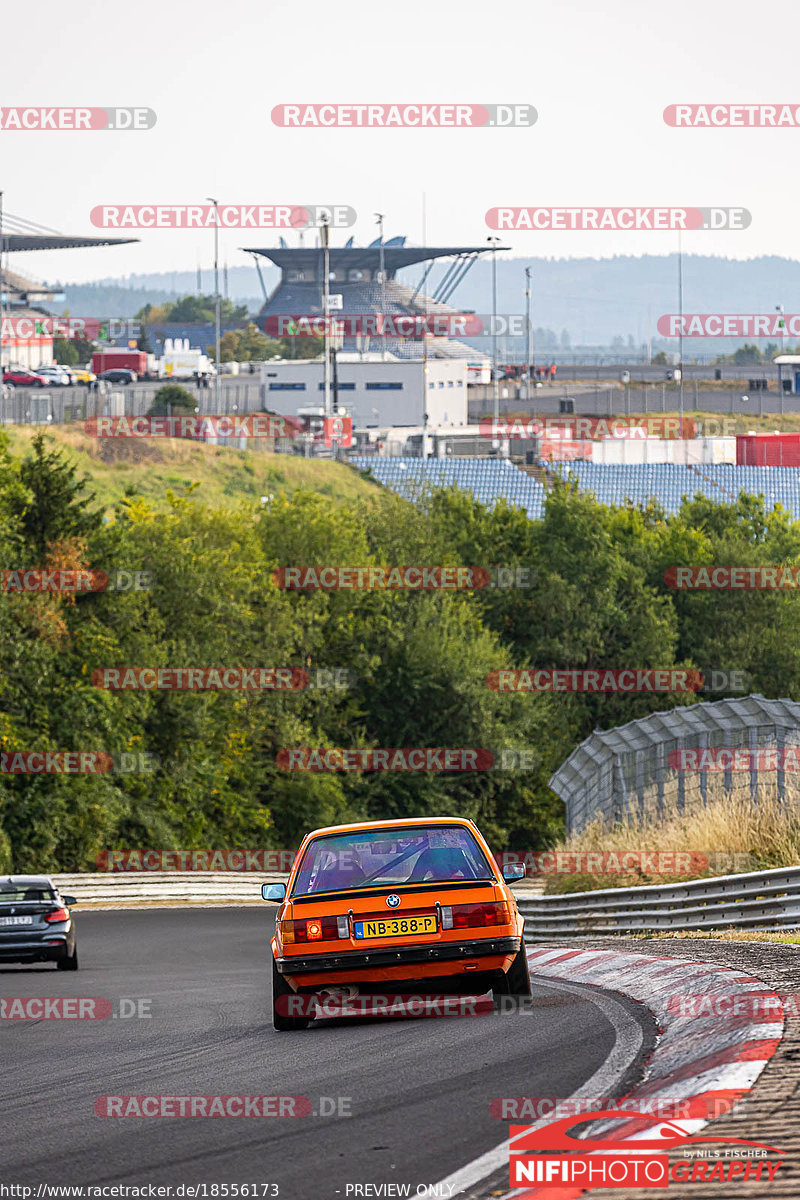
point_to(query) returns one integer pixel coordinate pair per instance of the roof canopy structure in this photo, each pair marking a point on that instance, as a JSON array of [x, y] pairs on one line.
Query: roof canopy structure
[[363, 257], [610, 774], [12, 242]]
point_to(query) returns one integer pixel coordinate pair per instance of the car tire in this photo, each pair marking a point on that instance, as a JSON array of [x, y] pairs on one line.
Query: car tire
[[281, 988], [69, 962], [517, 982]]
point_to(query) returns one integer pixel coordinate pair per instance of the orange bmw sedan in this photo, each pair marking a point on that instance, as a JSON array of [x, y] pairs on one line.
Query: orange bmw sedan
[[412, 906]]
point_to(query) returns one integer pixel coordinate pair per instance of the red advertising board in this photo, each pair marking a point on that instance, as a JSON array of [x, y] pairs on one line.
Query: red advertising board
[[338, 431], [768, 450], [563, 451]]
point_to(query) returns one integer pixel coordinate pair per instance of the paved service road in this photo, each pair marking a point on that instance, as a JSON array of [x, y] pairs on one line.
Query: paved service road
[[418, 1090]]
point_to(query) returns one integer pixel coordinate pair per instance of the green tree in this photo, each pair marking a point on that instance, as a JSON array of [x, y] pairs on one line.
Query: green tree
[[55, 504], [190, 310], [172, 399], [69, 352]]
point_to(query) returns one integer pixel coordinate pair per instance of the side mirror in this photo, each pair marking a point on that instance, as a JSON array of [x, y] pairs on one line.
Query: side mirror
[[513, 872], [70, 901], [273, 891]]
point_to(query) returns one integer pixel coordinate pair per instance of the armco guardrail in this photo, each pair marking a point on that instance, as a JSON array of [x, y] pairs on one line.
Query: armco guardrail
[[761, 900], [128, 888], [125, 889]]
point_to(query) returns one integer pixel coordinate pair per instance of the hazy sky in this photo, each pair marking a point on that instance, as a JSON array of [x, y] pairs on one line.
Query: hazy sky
[[599, 75]]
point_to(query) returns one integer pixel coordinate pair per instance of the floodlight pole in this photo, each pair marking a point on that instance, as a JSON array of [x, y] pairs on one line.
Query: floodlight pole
[[680, 326], [495, 381], [326, 287], [528, 334], [216, 302], [382, 259]]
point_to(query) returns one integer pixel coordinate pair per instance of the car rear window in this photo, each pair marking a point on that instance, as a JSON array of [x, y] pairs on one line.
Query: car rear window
[[391, 857], [22, 894]]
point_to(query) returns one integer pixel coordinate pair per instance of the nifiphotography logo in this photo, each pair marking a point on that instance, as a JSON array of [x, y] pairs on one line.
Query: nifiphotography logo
[[551, 1156]]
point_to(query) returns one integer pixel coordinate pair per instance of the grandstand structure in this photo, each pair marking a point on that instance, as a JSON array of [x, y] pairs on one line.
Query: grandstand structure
[[364, 279], [668, 484], [488, 479]]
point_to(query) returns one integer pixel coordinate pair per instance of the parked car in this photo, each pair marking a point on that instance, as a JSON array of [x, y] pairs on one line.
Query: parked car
[[118, 375], [36, 924], [411, 906], [55, 376], [83, 375], [21, 378]]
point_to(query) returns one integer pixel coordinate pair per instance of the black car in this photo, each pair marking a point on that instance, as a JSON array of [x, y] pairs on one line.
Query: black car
[[119, 375], [35, 922]]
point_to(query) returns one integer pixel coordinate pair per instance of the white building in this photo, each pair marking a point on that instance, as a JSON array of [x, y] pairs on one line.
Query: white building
[[378, 390]]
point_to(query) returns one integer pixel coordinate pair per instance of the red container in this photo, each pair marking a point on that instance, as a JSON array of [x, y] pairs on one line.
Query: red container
[[768, 450], [134, 360]]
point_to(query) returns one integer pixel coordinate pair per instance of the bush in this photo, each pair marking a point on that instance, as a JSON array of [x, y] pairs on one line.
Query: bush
[[171, 399]]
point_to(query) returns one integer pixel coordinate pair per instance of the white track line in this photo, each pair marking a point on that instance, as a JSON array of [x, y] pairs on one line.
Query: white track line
[[627, 1044]]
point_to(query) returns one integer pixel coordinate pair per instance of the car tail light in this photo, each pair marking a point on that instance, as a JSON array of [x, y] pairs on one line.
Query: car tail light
[[447, 917], [316, 929], [471, 916], [60, 914]]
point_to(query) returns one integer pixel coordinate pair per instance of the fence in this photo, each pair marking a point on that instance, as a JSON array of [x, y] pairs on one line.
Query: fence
[[72, 406], [637, 772], [766, 899]]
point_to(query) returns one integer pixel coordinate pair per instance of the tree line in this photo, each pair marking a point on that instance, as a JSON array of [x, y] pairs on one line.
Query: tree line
[[386, 668]]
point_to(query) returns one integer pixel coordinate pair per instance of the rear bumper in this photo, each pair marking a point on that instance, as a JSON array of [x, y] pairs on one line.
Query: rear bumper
[[359, 960], [34, 950]]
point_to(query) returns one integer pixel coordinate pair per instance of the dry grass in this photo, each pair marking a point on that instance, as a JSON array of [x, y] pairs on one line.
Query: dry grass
[[226, 476], [732, 831]]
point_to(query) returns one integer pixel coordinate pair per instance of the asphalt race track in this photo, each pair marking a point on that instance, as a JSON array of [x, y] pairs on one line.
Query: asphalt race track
[[418, 1090]]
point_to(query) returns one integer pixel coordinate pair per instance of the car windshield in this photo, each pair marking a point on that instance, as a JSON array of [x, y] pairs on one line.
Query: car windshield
[[21, 895], [391, 857]]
